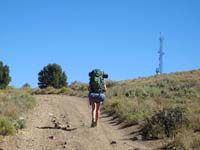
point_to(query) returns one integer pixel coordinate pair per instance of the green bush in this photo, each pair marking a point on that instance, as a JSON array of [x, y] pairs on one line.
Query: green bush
[[165, 123], [20, 123], [52, 75], [6, 127], [4, 75], [126, 110]]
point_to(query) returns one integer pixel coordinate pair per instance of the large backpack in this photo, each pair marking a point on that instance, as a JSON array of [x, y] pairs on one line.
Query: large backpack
[[96, 81]]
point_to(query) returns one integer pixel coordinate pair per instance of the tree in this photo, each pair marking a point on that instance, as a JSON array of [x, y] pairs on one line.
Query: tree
[[26, 86], [4, 76], [52, 75]]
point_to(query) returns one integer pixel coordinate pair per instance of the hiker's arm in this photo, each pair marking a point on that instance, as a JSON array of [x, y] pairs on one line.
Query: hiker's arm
[[105, 86], [89, 98]]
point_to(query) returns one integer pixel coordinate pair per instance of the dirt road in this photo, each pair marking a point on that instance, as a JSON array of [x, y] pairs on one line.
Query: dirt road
[[63, 122]]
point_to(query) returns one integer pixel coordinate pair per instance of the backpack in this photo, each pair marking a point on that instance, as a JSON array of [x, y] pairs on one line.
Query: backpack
[[97, 81]]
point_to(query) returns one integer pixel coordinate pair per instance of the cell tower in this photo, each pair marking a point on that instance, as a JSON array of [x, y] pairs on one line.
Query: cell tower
[[159, 70]]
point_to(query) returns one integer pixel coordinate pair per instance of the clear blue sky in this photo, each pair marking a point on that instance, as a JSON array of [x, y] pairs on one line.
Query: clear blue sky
[[117, 36]]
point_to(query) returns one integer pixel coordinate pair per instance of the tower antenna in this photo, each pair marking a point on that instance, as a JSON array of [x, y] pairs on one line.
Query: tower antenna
[[159, 70]]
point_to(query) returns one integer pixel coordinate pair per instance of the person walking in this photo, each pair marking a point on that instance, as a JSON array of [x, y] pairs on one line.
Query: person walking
[[97, 89]]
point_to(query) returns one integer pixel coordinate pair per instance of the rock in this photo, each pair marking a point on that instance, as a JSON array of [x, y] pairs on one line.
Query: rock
[[64, 146], [68, 126], [57, 125], [51, 115], [113, 142], [54, 120], [52, 137]]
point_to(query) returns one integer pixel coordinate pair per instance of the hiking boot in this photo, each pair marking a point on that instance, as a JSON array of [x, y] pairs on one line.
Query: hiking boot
[[94, 124]]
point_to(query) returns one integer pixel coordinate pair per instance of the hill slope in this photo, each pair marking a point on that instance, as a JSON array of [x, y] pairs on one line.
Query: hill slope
[[164, 106]]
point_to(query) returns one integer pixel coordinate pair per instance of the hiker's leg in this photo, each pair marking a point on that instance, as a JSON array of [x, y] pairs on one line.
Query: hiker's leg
[[97, 111], [93, 111]]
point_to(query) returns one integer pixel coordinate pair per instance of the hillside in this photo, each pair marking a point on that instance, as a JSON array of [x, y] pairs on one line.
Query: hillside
[[157, 112], [164, 107]]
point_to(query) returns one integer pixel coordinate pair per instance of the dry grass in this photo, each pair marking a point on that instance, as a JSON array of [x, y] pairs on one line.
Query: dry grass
[[13, 104], [133, 100], [75, 89]]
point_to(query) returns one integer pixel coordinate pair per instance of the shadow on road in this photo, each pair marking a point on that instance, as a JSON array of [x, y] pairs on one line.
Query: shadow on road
[[56, 128]]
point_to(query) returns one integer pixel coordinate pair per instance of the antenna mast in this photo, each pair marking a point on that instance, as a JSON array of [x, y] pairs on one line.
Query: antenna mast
[[159, 70]]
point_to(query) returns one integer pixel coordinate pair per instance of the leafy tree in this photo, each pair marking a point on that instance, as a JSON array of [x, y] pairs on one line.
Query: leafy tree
[[52, 75], [4, 75]]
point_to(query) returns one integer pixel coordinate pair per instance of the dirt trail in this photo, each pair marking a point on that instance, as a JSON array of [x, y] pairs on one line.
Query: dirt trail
[[63, 122]]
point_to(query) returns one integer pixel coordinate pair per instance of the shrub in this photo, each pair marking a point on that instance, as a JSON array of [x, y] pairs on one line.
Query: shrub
[[6, 127], [4, 75], [128, 111], [111, 83], [23, 101], [136, 92], [164, 82], [186, 92], [10, 110], [15, 102], [26, 86], [52, 75], [115, 91], [64, 90], [185, 140], [20, 123], [78, 86], [165, 123], [47, 90]]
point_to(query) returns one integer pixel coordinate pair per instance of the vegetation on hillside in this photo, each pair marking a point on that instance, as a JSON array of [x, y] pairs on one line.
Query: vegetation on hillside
[[74, 89], [14, 103], [165, 107]]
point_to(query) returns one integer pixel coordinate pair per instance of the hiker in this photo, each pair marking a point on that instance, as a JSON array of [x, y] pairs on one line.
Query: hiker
[[97, 89]]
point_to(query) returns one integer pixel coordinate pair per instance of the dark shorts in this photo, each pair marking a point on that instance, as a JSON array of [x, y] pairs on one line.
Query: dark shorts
[[97, 97]]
